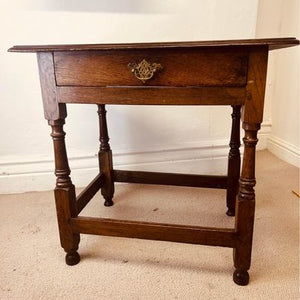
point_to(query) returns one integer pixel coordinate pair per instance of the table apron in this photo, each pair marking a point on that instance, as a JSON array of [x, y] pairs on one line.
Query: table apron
[[153, 95]]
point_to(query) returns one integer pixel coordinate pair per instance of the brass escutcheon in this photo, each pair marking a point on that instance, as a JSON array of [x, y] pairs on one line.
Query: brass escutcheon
[[144, 70]]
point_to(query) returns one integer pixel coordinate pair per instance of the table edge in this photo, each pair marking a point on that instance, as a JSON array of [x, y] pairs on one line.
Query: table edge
[[272, 43]]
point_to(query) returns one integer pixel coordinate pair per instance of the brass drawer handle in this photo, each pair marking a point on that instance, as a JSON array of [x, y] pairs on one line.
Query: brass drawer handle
[[144, 70]]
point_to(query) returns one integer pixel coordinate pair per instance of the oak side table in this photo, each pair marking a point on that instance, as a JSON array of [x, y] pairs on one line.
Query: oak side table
[[178, 73]]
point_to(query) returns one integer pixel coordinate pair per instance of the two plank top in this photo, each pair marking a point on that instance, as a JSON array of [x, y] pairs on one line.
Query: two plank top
[[272, 44]]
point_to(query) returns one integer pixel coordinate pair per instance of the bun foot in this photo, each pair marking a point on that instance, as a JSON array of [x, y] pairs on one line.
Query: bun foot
[[72, 258], [108, 202], [230, 213], [241, 277]]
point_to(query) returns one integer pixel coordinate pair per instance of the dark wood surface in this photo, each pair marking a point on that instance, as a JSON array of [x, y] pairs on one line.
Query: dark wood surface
[[194, 73], [155, 231], [234, 161], [255, 90], [152, 95], [207, 181], [252, 117], [271, 43], [180, 67], [89, 192], [65, 199], [52, 109], [105, 158]]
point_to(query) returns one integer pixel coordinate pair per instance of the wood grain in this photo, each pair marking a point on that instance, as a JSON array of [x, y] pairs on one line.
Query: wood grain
[[52, 109], [255, 90], [181, 67], [245, 207], [89, 192], [155, 231], [208, 181], [272, 43], [105, 158], [152, 95], [64, 192], [234, 161]]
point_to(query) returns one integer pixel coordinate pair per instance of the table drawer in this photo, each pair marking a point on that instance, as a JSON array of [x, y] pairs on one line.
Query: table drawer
[[152, 67]]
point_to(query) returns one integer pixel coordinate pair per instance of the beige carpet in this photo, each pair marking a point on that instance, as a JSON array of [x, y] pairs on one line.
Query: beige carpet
[[32, 262]]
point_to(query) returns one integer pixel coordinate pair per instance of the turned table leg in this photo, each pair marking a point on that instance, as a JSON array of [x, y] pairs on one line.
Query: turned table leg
[[105, 158], [245, 207], [64, 192], [234, 161]]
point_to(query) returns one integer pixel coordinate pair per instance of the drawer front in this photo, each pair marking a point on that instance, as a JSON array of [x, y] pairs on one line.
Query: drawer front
[[152, 67]]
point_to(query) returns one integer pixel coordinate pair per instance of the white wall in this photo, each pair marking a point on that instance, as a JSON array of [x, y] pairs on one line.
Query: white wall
[[280, 18], [193, 139]]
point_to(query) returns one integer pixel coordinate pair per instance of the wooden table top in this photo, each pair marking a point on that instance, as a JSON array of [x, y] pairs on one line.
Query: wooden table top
[[274, 43]]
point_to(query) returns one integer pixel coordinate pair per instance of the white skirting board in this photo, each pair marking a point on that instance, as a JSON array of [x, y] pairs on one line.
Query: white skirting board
[[284, 150], [209, 157]]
